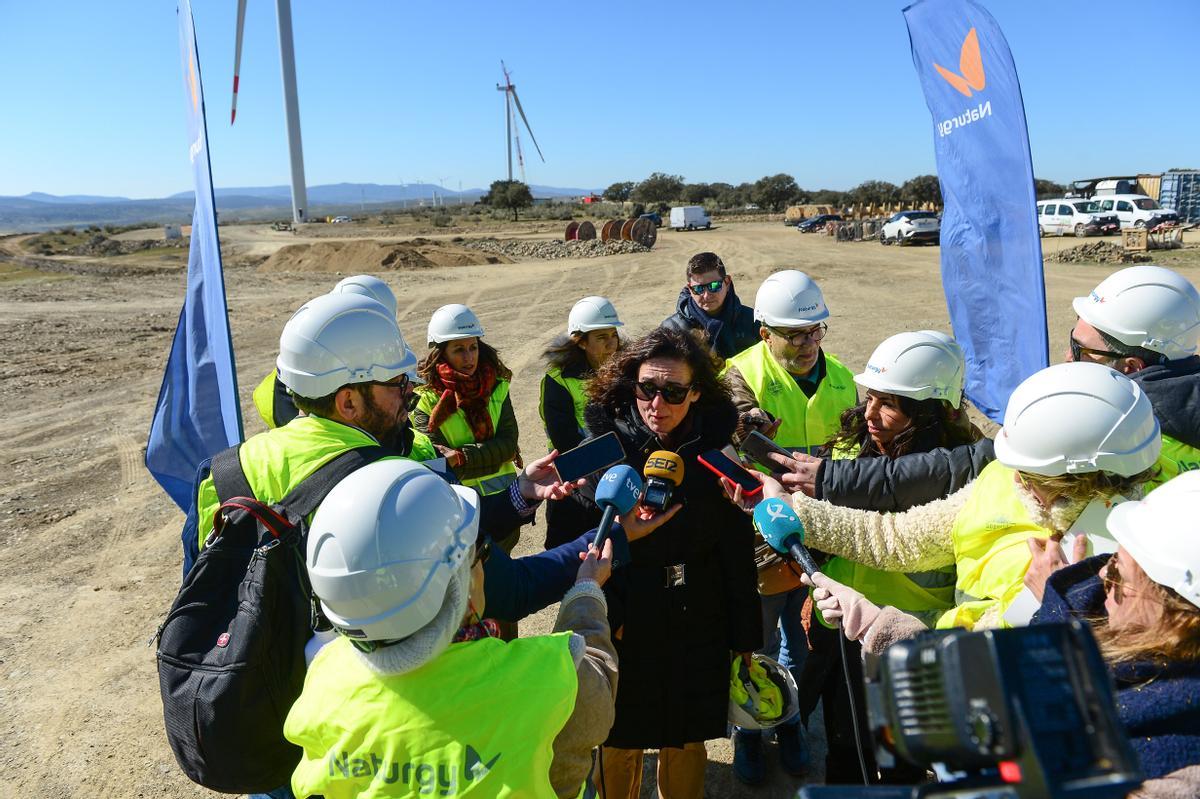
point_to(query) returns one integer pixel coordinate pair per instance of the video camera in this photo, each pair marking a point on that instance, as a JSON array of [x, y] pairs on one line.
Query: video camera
[[1026, 712]]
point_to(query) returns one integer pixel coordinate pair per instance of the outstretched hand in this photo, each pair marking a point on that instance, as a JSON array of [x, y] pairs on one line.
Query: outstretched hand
[[797, 473], [596, 565], [539, 480], [1047, 559], [642, 521]]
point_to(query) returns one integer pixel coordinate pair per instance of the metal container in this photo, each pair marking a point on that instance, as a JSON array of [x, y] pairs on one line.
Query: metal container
[[1181, 192]]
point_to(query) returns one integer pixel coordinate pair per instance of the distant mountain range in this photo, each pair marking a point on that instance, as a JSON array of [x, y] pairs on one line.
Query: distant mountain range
[[38, 211]]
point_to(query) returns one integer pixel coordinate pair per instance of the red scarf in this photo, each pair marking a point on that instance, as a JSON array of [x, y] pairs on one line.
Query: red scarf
[[470, 393]]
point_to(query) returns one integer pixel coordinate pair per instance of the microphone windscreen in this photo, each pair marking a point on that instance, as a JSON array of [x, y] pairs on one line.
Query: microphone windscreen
[[665, 464], [776, 522], [620, 487]]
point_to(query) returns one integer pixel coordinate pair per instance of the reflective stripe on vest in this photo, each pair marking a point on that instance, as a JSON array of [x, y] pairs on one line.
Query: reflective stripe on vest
[[808, 422], [913, 592], [1176, 458], [457, 433], [574, 386], [990, 549], [478, 720]]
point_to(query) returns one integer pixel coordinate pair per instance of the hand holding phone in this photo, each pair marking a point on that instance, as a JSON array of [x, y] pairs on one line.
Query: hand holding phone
[[589, 457], [758, 447], [722, 465]]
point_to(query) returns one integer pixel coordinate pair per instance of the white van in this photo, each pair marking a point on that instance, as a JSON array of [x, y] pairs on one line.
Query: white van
[[1075, 215], [1134, 210], [690, 217]]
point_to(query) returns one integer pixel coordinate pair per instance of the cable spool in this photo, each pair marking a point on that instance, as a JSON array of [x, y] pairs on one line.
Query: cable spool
[[572, 231], [585, 232], [644, 233], [606, 231], [627, 229]]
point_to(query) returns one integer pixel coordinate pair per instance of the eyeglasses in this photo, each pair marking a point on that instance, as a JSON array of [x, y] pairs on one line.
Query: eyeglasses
[[672, 393], [700, 288], [798, 337], [401, 382], [1077, 350], [483, 550]]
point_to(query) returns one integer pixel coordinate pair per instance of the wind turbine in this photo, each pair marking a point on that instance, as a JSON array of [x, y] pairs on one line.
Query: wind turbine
[[511, 101], [291, 105]]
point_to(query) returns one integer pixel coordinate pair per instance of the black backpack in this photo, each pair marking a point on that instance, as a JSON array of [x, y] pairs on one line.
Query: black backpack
[[231, 651]]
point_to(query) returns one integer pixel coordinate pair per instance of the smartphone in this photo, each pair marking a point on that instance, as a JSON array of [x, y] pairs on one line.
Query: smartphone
[[758, 446], [721, 464], [589, 457]]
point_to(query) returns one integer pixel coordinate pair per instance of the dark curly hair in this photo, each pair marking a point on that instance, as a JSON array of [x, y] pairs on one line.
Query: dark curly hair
[[933, 423], [612, 387]]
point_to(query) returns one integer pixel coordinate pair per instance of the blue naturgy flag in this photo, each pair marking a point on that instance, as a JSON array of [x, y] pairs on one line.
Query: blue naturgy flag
[[198, 412], [991, 250]]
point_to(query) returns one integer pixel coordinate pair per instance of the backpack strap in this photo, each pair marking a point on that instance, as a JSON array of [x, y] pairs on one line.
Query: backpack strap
[[304, 498], [228, 476]]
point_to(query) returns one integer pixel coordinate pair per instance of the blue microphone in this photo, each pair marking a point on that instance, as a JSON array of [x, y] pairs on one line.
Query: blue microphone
[[619, 490], [780, 527]]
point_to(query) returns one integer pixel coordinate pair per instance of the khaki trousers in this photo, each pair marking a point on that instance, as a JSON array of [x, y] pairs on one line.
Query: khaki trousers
[[680, 772]]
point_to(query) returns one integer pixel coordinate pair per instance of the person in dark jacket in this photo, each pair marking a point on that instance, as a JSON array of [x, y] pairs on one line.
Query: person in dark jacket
[[708, 303], [687, 602]]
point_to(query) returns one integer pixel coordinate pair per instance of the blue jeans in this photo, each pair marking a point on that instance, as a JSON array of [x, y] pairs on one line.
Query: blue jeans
[[784, 638], [282, 792]]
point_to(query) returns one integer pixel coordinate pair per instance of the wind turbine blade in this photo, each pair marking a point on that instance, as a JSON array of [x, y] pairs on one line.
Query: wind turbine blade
[[237, 57], [521, 111]]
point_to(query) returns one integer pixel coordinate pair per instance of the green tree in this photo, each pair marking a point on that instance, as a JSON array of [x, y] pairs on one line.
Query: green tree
[[696, 193], [874, 192], [619, 192], [830, 197], [774, 191], [921, 189], [1048, 188], [659, 188], [508, 196]]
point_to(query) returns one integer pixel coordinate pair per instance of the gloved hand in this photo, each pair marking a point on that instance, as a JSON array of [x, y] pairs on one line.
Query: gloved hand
[[840, 602]]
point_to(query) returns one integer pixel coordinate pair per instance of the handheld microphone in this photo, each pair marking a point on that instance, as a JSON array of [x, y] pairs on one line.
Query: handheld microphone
[[664, 473], [619, 490], [780, 527]]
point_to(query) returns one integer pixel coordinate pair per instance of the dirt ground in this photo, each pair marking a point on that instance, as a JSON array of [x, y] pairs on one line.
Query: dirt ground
[[89, 547]]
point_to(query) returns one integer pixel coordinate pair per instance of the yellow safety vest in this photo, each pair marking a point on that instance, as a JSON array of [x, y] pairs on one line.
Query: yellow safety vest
[[264, 399], [278, 460], [808, 422], [457, 433], [913, 592], [478, 720], [1175, 459], [990, 549], [575, 386]]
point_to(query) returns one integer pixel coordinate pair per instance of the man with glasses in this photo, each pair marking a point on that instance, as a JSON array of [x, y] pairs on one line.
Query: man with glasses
[[788, 388], [1144, 321], [709, 303]]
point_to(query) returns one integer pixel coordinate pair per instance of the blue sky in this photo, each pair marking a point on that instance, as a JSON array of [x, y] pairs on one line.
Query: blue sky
[[390, 92]]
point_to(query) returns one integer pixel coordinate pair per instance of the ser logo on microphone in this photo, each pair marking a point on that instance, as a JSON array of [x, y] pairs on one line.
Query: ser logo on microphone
[[668, 465]]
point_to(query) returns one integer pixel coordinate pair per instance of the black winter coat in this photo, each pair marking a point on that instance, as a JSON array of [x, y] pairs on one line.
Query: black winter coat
[[897, 484], [676, 642]]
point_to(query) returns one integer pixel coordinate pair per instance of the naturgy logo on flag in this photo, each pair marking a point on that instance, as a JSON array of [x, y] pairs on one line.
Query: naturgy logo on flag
[[970, 76]]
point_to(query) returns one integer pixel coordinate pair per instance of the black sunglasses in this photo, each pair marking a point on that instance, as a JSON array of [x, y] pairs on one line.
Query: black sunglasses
[[1077, 350], [671, 392], [700, 288]]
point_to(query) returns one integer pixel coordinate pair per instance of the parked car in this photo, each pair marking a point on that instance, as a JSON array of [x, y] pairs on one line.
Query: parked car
[[1134, 210], [908, 227], [1074, 215], [340, 220], [653, 216], [690, 217], [817, 222]]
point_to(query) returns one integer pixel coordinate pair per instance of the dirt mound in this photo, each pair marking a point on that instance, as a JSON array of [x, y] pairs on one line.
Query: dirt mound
[[550, 248], [349, 257], [1098, 252]]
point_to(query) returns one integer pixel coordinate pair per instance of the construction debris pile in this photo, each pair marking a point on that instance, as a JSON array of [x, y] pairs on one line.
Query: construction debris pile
[[1098, 252], [551, 249], [101, 246]]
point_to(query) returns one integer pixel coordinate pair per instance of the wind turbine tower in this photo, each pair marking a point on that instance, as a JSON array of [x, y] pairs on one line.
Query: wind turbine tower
[[513, 103]]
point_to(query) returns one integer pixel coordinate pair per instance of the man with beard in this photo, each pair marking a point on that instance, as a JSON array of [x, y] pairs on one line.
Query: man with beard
[[790, 389]]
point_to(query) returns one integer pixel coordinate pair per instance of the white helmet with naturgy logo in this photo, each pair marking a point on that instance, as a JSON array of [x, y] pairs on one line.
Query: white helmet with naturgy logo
[[368, 286], [338, 339], [388, 545], [1146, 306], [789, 299], [592, 313], [1074, 418], [921, 365], [1162, 534], [452, 322]]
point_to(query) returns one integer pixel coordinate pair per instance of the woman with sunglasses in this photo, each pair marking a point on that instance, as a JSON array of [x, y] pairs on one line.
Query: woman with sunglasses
[[573, 358], [415, 695], [687, 600], [708, 303]]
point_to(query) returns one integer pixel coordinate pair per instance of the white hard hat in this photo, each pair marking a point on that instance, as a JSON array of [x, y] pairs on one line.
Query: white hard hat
[[747, 712], [1162, 533], [452, 322], [1145, 306], [338, 339], [1073, 418], [368, 286], [921, 365], [789, 299], [592, 313], [384, 546]]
